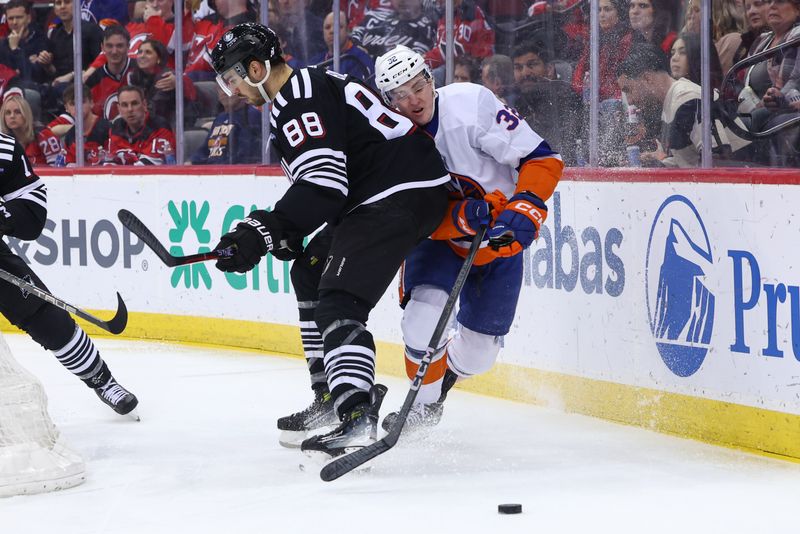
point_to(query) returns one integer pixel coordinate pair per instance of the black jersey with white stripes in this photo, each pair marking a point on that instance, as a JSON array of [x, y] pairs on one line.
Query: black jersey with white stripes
[[341, 148], [23, 195]]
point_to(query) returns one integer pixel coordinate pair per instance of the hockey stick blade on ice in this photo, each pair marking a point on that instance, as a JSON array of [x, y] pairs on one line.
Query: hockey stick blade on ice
[[116, 325], [136, 226], [346, 463]]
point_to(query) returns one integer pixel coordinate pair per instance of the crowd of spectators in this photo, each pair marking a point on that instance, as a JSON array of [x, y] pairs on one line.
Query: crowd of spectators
[[534, 54]]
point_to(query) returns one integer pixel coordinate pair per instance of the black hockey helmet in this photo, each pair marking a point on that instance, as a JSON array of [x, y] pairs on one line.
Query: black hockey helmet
[[240, 44]]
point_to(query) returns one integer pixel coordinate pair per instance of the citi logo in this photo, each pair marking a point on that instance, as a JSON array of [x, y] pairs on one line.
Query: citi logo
[[679, 304]]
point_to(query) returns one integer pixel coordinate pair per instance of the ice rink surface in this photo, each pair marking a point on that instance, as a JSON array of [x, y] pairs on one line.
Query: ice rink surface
[[205, 459]]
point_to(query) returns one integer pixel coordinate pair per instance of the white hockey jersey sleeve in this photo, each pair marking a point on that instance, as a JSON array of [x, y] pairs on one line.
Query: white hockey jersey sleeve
[[504, 135]]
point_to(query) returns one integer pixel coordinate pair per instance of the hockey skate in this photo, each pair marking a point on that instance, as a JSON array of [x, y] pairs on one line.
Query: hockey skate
[[423, 415], [358, 429], [420, 416], [120, 399], [296, 427]]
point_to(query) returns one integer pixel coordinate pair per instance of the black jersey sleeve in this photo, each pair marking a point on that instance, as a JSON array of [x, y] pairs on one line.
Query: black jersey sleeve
[[310, 136], [23, 195]]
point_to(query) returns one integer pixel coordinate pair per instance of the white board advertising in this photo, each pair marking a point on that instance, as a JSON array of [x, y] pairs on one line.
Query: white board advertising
[[687, 288]]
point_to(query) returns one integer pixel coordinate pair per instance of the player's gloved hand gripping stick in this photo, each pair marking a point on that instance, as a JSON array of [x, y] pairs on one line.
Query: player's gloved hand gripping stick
[[289, 249], [137, 227], [346, 463]]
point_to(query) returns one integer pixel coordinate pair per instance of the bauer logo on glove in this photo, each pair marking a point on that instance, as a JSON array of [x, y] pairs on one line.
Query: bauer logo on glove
[[253, 238]]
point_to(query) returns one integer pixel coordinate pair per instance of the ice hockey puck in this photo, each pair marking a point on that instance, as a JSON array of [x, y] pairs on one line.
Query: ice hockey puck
[[509, 508]]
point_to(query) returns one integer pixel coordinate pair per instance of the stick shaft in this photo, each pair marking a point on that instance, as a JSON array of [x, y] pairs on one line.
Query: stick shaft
[[346, 463], [116, 325]]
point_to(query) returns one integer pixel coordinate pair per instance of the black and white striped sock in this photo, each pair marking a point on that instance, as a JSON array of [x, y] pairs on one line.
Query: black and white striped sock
[[82, 359], [312, 343], [349, 363]]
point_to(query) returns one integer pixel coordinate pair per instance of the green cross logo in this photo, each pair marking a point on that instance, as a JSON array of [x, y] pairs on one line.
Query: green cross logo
[[187, 217]]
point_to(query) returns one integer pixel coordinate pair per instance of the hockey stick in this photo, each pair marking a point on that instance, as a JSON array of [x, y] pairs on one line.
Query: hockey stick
[[116, 325], [132, 223], [344, 464]]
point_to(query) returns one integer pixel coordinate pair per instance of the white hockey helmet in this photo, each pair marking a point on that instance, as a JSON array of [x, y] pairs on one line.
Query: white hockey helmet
[[396, 67]]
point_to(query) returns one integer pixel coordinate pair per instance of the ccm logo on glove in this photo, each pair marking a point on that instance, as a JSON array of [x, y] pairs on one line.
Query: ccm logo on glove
[[534, 212]]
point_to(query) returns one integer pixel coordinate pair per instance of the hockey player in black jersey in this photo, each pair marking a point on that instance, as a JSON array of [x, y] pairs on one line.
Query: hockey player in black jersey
[[376, 181], [23, 211]]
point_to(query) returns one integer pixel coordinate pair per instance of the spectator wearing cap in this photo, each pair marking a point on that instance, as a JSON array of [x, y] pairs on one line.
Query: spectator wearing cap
[[20, 49], [41, 146], [353, 60]]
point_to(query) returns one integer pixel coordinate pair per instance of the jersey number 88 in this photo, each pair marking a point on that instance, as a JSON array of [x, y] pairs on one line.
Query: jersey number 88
[[296, 132]]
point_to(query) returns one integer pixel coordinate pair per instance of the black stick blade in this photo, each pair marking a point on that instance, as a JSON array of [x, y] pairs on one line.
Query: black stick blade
[[137, 227], [344, 464], [118, 323]]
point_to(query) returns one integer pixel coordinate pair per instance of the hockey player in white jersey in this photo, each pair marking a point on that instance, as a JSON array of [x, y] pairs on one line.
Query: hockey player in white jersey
[[505, 173]]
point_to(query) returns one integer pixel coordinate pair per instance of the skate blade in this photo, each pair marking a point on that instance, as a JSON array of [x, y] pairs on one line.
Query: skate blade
[[134, 414], [292, 439]]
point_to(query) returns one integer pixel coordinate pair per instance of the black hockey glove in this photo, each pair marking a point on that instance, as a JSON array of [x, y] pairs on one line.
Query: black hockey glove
[[289, 249], [254, 237]]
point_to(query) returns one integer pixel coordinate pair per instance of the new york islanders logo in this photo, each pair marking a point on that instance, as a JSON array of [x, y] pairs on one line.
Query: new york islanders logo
[[679, 304]]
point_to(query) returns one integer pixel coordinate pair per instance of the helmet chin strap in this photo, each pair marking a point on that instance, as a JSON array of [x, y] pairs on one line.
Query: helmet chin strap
[[260, 85]]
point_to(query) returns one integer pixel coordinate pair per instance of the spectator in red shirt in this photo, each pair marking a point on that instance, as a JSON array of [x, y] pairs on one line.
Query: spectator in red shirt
[[358, 9], [158, 81], [41, 147], [157, 22], [472, 35], [615, 43], [138, 138], [96, 129], [205, 33], [106, 81]]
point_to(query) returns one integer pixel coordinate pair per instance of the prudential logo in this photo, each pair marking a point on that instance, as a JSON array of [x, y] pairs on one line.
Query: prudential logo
[[679, 304]]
